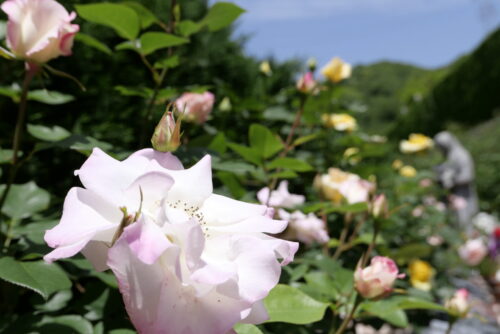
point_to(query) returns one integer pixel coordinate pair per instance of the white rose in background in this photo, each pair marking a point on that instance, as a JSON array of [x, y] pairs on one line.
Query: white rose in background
[[280, 198], [39, 30], [473, 251], [194, 262], [305, 228]]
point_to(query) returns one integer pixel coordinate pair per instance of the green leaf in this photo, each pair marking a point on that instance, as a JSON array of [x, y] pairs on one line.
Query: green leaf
[[77, 323], [152, 41], [169, 62], [3, 29], [290, 163], [13, 91], [123, 19], [41, 277], [134, 91], [93, 42], [305, 139], [285, 174], [219, 144], [59, 300], [356, 207], [264, 141], [237, 167], [231, 182], [146, 17], [122, 331], [128, 45], [287, 304], [247, 153], [6, 156], [221, 15], [412, 303], [54, 133], [187, 27], [33, 230], [386, 310], [278, 113], [247, 329], [411, 251], [49, 97], [24, 200]]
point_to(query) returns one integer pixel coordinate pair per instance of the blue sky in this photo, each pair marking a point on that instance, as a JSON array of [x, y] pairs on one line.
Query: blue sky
[[429, 33]]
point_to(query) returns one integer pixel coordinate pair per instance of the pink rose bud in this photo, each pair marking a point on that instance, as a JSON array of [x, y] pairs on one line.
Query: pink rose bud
[[195, 107], [306, 83], [377, 279], [167, 135], [458, 305], [379, 206], [39, 30]]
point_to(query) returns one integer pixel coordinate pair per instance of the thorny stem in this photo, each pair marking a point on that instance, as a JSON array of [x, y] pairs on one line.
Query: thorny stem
[[343, 236], [347, 319], [18, 132], [288, 142], [148, 116], [371, 246]]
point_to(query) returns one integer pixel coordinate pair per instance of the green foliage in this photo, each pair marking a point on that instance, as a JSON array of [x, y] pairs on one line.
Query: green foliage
[[287, 304], [41, 277]]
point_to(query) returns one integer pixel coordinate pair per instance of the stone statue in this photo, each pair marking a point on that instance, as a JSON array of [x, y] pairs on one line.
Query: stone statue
[[457, 175]]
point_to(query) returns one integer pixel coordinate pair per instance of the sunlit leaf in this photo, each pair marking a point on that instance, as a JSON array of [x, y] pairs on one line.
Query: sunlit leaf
[[123, 19], [24, 200], [54, 133], [93, 42], [221, 15]]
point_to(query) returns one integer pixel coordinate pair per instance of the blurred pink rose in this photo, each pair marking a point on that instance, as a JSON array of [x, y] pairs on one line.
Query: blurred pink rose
[[457, 202], [306, 83], [435, 240], [473, 251], [377, 279], [417, 211], [280, 198], [185, 252], [306, 228], [425, 183], [459, 304], [39, 30], [196, 107]]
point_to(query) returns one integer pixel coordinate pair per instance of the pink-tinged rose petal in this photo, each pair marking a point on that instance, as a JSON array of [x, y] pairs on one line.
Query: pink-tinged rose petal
[[257, 315], [378, 278], [39, 30], [163, 305], [66, 251], [198, 177], [221, 210], [147, 191], [85, 215], [254, 224], [146, 240], [97, 254], [165, 159]]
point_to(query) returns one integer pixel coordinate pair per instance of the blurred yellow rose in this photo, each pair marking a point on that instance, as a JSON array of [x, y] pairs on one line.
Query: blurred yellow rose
[[265, 68], [336, 70], [421, 273], [408, 171], [416, 143], [340, 122], [397, 164], [338, 185]]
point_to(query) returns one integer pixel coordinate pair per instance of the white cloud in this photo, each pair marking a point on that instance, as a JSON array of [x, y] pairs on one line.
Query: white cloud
[[263, 10]]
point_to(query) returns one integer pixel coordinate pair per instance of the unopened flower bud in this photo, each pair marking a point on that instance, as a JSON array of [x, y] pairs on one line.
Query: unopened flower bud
[[311, 64], [458, 305], [167, 135], [379, 206], [306, 83], [377, 279]]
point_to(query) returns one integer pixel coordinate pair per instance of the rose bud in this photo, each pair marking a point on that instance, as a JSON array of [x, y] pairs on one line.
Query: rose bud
[[458, 305], [39, 30], [167, 135], [377, 279]]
